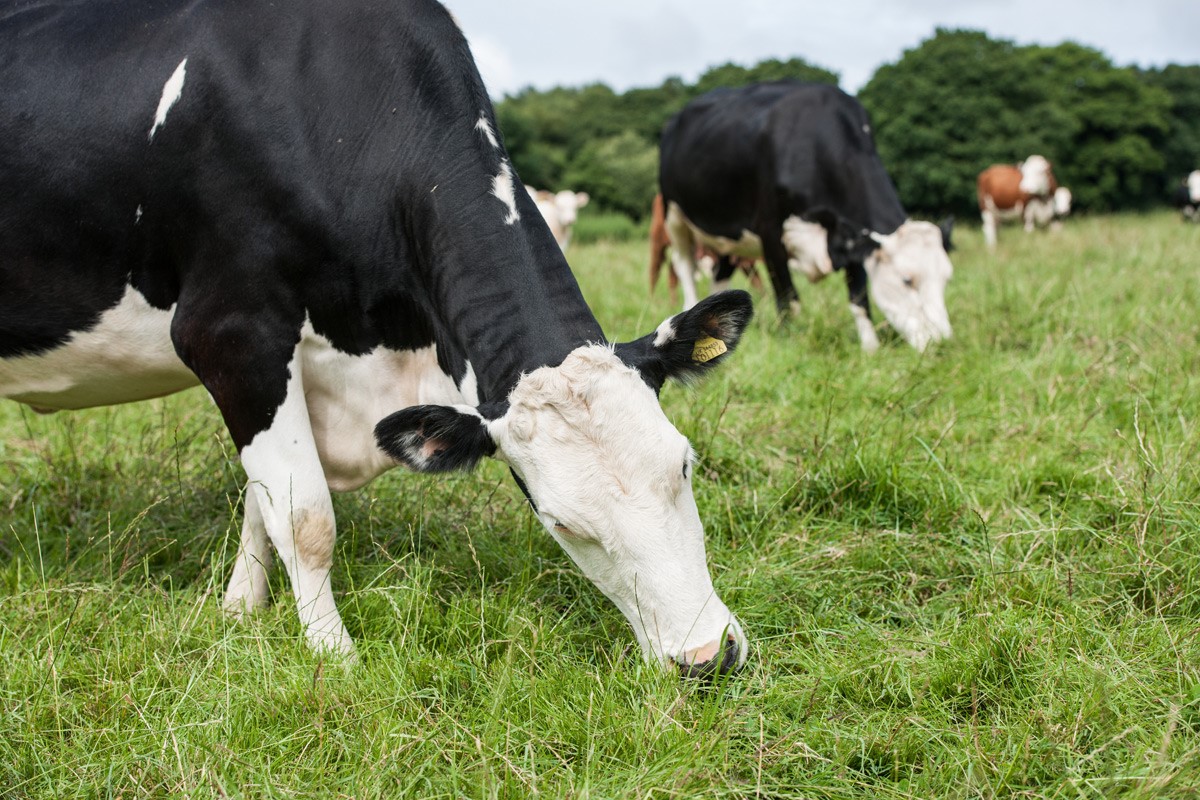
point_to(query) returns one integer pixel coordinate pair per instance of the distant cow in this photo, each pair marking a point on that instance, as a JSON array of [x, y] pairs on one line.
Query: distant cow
[[788, 172], [560, 210], [1187, 197], [1027, 191], [720, 267], [311, 214]]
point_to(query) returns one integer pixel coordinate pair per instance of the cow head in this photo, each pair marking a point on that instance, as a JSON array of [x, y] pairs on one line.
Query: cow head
[[1062, 201], [608, 475], [908, 275], [1037, 177], [568, 204]]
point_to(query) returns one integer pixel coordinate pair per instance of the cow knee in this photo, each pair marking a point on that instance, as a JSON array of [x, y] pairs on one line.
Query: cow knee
[[313, 534]]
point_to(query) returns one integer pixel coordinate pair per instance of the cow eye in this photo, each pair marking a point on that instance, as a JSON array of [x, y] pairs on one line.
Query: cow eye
[[685, 470], [909, 282]]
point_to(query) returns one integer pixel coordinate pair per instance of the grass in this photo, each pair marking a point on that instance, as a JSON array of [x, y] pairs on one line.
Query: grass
[[969, 573]]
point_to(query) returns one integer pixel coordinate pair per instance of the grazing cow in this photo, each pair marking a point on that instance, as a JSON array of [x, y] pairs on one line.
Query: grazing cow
[[1187, 197], [560, 211], [311, 215], [1027, 191], [718, 266], [788, 172]]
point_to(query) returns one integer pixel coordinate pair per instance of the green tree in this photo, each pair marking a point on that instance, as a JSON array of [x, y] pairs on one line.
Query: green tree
[[620, 172], [961, 101], [770, 70], [1180, 145]]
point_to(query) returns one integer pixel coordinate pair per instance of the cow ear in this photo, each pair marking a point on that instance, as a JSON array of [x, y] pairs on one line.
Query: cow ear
[[581, 199], [687, 345], [435, 438]]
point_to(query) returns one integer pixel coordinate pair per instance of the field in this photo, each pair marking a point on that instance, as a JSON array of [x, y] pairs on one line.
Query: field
[[969, 573]]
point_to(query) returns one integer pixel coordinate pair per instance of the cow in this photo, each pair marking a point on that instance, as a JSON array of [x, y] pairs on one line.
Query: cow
[[715, 265], [1186, 197], [311, 215], [1027, 191], [560, 210], [946, 228], [788, 172]]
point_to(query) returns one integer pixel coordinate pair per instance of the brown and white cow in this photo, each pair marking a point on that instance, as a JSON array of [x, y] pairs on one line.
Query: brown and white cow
[[560, 210], [718, 267], [1027, 191]]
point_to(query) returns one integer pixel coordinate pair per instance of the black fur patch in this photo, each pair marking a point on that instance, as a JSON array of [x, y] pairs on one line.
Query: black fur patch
[[434, 438], [722, 316]]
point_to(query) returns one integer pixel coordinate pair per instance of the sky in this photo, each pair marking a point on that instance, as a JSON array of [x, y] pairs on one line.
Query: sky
[[628, 43]]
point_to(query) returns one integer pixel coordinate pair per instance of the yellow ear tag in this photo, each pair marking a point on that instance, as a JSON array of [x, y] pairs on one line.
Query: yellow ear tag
[[707, 348]]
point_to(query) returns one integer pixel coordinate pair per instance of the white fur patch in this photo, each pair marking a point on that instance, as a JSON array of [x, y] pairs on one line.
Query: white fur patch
[[1193, 184], [126, 356], [469, 387], [172, 90], [348, 395], [807, 245], [664, 333], [502, 188], [485, 127]]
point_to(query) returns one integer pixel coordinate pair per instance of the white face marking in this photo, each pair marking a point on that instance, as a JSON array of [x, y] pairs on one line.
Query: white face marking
[[137, 215], [1193, 184], [171, 92], [908, 277], [1035, 176], [347, 395], [485, 127], [611, 478], [807, 245], [866, 129], [126, 356], [502, 188]]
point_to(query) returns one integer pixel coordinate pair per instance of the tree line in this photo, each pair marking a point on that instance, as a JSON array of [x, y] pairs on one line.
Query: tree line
[[1119, 137]]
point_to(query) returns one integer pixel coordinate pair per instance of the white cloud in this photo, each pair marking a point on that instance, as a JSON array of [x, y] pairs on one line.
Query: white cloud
[[627, 43]]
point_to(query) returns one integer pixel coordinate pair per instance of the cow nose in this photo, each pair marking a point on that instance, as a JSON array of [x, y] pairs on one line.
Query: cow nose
[[725, 662]]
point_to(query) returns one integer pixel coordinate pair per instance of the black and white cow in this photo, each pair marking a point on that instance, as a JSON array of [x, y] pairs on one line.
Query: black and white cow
[[1186, 197], [788, 172], [308, 210]]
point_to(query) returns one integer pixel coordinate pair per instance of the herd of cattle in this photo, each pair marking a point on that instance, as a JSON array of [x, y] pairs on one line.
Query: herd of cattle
[[340, 252]]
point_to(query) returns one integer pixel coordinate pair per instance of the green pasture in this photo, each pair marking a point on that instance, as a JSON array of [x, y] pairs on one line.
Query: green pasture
[[969, 573]]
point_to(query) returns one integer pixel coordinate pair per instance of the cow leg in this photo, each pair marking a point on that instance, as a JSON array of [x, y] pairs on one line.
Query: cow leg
[[247, 589], [860, 307], [288, 481], [241, 357], [989, 227], [683, 255], [775, 254]]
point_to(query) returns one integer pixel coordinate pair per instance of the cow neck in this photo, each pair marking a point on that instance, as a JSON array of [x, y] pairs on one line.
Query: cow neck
[[512, 305]]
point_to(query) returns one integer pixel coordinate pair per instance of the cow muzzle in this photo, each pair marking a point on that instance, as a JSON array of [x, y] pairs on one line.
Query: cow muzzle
[[714, 660]]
